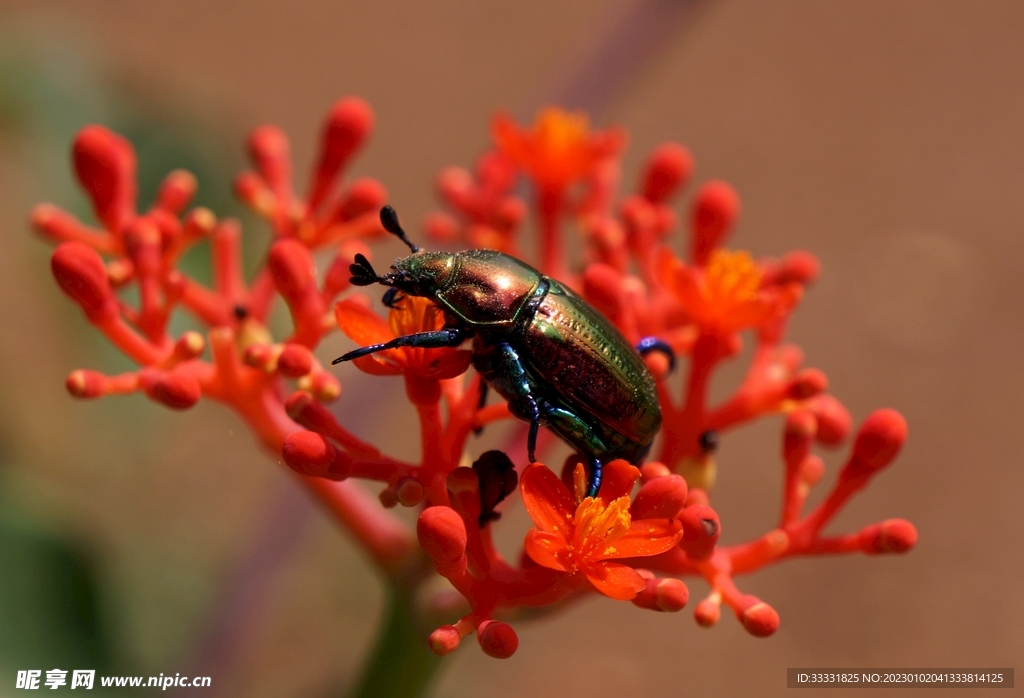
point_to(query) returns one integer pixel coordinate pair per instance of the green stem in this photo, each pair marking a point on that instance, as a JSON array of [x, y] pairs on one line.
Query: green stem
[[400, 665]]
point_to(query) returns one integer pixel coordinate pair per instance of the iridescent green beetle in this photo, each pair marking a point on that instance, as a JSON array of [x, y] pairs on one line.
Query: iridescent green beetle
[[557, 360]]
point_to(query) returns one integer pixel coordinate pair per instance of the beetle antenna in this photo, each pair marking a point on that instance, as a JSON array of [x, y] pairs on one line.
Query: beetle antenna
[[389, 219], [363, 273]]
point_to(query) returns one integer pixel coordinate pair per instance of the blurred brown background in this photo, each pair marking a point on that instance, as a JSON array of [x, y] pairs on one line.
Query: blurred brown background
[[885, 137]]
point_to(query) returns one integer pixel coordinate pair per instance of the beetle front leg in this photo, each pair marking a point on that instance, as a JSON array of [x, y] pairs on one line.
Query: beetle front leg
[[448, 337]]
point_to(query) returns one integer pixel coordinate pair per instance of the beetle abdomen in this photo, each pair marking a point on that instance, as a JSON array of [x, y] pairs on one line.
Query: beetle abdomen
[[570, 345]]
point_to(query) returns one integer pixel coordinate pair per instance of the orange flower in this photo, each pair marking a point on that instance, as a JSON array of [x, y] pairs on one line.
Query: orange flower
[[559, 149], [412, 315], [583, 539], [727, 296]]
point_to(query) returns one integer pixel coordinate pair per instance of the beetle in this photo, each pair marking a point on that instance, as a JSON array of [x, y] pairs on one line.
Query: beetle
[[556, 360]]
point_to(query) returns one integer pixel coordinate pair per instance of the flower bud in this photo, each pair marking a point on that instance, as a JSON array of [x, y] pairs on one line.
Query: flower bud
[[497, 639], [701, 529], [348, 124], [254, 192], [667, 169], [660, 498], [707, 613], [652, 470], [798, 266], [268, 148], [105, 165], [798, 434], [715, 210], [834, 420], [295, 360], [807, 384], [891, 536], [668, 595], [760, 619], [445, 640], [176, 191], [442, 535], [86, 384], [697, 497], [178, 390], [293, 271], [189, 346], [441, 227], [365, 195], [80, 272], [308, 453], [456, 186], [879, 440]]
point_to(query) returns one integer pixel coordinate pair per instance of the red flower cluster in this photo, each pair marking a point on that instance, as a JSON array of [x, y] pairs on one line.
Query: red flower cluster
[[616, 543]]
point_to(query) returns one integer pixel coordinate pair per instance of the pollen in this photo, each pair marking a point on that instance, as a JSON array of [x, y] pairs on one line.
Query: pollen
[[732, 278]]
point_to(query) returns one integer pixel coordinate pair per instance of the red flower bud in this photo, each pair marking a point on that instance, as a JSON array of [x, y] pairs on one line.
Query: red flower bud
[[310, 454], [707, 613], [253, 191], [176, 191], [669, 595], [86, 384], [105, 165], [365, 195], [660, 498], [697, 498], [891, 536], [879, 440], [442, 535], [268, 148], [799, 432], [715, 210], [497, 639], [444, 640], [294, 273], [760, 619], [347, 126], [701, 529], [178, 390], [798, 266], [812, 469], [667, 169], [189, 346], [80, 272], [455, 185], [834, 420], [652, 470], [807, 384], [295, 361], [441, 227]]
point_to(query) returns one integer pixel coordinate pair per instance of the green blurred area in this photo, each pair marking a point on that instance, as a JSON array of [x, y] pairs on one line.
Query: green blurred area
[[55, 609]]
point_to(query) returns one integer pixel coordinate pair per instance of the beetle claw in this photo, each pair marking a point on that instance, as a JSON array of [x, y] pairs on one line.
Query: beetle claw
[[648, 344]]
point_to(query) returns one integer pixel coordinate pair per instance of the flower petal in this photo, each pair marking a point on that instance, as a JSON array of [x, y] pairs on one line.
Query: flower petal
[[644, 538], [615, 580], [360, 324], [448, 363], [619, 478], [547, 500], [549, 550], [376, 367]]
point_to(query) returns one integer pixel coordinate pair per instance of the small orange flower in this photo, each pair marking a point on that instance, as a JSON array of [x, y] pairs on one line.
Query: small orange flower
[[559, 149], [727, 296], [412, 315], [583, 539]]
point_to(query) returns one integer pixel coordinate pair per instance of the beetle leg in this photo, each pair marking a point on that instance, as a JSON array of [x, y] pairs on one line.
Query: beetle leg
[[568, 423], [448, 337], [648, 344], [519, 386]]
